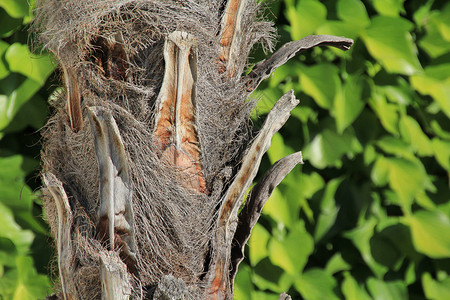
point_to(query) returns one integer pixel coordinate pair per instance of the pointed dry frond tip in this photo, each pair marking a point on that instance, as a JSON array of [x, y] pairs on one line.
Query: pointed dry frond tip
[[258, 196], [263, 69], [63, 234], [73, 105], [175, 121], [228, 213], [230, 35], [115, 214]]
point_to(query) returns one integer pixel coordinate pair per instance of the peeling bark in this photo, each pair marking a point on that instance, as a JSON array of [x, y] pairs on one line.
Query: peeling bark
[[63, 235], [175, 122], [115, 222], [230, 35]]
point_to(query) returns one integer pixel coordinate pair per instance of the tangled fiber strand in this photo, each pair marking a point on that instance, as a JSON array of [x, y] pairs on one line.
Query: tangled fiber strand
[[173, 226]]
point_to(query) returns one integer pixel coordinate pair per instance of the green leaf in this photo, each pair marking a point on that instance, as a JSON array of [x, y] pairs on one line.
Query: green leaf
[[337, 264], [321, 82], [386, 112], [8, 24], [13, 190], [304, 17], [22, 239], [15, 8], [393, 146], [389, 41], [278, 209], [266, 276], [10, 105], [353, 12], [351, 102], [352, 290], [436, 290], [442, 21], [287, 254], [316, 284], [257, 244], [327, 148], [389, 7], [435, 81], [278, 149], [29, 284], [380, 290], [3, 68], [430, 233], [433, 42], [328, 209], [361, 236], [20, 60], [243, 287], [413, 134], [442, 152]]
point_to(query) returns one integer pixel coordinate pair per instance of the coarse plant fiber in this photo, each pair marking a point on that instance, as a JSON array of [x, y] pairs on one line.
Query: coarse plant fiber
[[173, 225]]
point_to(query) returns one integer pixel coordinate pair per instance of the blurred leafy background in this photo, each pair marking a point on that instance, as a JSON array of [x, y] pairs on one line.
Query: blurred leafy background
[[368, 214]]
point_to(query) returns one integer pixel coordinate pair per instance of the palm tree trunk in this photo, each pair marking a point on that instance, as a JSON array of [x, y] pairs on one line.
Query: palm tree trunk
[[150, 152]]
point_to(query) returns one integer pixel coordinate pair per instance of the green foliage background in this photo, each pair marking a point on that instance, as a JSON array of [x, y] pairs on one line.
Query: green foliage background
[[368, 214]]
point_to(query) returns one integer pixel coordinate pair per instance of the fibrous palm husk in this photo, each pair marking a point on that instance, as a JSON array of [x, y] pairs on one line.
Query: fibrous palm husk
[[149, 153]]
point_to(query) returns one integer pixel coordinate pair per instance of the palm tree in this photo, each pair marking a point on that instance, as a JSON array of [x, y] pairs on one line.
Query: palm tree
[[150, 152]]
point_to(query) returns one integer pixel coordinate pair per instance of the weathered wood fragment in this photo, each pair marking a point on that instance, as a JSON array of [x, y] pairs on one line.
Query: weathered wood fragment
[[231, 35], [175, 121], [63, 235], [114, 277], [256, 200], [115, 222], [228, 212], [264, 68]]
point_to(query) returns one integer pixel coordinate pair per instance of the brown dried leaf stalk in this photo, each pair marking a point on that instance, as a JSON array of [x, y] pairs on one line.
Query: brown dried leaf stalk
[[144, 202]]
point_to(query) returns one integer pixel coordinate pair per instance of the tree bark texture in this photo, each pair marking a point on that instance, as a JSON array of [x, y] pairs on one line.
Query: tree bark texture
[[149, 153]]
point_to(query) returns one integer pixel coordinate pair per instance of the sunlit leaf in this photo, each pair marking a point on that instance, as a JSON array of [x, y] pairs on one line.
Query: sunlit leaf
[[442, 152], [321, 82], [288, 253], [386, 112], [389, 41], [430, 233], [20, 60], [243, 287], [22, 239], [257, 245], [15, 8], [349, 105], [412, 133], [352, 290], [381, 290], [304, 17], [328, 147], [353, 12], [316, 284], [278, 209], [389, 7], [435, 81], [436, 290]]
